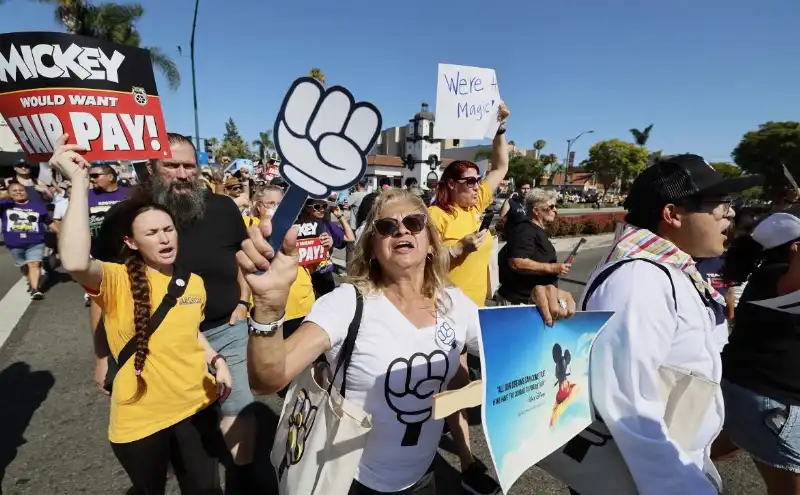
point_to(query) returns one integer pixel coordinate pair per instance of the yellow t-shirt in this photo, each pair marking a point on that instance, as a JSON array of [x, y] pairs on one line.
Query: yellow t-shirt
[[175, 370], [471, 273], [301, 293]]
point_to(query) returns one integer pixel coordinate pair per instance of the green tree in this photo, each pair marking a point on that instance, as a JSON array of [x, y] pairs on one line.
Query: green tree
[[264, 144], [727, 170], [112, 22], [766, 150], [232, 143], [317, 74], [615, 159], [538, 146], [524, 169], [641, 137], [548, 160]]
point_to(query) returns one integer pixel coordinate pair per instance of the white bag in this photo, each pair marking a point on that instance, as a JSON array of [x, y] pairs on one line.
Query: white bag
[[591, 463], [321, 436]]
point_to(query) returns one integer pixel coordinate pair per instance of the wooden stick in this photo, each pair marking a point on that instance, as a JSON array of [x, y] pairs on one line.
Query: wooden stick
[[446, 403]]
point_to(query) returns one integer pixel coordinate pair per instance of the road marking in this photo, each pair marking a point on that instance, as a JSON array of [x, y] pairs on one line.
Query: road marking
[[12, 307]]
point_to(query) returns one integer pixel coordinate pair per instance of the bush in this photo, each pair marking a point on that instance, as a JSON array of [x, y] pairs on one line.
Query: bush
[[589, 224]]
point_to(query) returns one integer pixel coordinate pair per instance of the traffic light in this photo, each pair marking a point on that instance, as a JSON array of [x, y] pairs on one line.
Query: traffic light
[[208, 148]]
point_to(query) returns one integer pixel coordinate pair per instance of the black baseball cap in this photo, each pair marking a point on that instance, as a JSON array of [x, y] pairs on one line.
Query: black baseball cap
[[683, 177]]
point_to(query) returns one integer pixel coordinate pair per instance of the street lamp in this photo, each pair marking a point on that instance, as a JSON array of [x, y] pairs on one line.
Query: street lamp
[[570, 142], [194, 80]]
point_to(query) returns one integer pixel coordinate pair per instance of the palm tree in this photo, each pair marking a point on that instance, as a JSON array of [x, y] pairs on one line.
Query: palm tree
[[115, 23], [264, 144], [641, 137], [317, 74], [538, 146]]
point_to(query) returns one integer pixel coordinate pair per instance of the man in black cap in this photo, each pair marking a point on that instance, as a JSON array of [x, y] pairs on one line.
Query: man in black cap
[[656, 363]]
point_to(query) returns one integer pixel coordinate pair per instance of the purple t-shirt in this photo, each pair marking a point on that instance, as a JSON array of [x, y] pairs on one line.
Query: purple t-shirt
[[100, 203], [23, 224], [337, 234]]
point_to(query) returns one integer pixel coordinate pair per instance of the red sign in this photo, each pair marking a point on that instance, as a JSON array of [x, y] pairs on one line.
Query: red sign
[[103, 94], [311, 251]]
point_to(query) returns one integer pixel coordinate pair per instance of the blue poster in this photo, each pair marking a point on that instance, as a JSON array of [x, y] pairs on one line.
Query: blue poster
[[535, 384]]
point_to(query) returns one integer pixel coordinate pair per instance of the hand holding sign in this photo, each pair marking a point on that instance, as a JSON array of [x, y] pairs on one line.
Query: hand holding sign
[[66, 160], [323, 138]]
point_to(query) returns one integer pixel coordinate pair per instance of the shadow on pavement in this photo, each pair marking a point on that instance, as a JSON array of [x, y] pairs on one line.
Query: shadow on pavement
[[23, 391]]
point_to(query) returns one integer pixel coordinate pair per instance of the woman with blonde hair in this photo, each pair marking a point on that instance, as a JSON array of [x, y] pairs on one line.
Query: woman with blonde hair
[[414, 326]]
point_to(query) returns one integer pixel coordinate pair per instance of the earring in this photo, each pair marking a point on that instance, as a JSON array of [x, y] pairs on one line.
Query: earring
[[430, 256]]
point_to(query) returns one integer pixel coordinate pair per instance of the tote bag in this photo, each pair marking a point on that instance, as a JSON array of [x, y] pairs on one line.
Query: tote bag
[[321, 436]]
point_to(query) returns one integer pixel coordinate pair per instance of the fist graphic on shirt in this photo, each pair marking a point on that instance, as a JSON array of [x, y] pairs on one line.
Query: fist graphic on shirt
[[446, 337], [323, 137], [409, 388]]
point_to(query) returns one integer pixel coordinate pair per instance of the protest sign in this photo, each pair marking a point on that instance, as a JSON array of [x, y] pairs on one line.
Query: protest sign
[[466, 103], [103, 94], [535, 384], [322, 137], [311, 249], [789, 303]]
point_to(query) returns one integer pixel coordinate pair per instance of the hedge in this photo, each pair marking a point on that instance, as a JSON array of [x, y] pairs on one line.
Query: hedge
[[589, 224]]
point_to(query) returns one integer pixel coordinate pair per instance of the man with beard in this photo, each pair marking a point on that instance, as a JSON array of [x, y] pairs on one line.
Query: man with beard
[[210, 231]]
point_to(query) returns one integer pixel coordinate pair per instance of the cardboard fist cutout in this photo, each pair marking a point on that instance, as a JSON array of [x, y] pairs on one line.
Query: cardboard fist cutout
[[323, 137]]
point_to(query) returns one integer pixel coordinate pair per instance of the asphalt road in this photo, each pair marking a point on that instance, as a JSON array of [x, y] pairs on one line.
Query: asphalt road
[[54, 421]]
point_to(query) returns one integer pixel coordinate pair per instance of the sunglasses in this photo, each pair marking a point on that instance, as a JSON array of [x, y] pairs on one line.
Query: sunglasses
[[549, 207], [234, 188], [318, 207], [469, 181], [94, 176], [389, 227]]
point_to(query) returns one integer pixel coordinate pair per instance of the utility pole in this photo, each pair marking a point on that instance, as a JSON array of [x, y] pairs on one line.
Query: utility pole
[[570, 142], [194, 79]]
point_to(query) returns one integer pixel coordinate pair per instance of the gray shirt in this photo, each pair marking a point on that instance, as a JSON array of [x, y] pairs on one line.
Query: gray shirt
[[354, 200]]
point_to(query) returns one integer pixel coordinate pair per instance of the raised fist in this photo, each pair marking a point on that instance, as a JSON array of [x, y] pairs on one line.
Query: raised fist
[[410, 385], [324, 136], [301, 420]]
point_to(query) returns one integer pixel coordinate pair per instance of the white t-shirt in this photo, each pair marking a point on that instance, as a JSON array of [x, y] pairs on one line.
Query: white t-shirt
[[394, 372], [60, 208]]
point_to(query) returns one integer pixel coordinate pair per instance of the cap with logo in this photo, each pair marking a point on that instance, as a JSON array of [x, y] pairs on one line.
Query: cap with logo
[[680, 177], [778, 229]]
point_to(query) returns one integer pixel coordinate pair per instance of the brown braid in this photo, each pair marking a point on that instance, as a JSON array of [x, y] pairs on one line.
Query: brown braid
[[140, 290]]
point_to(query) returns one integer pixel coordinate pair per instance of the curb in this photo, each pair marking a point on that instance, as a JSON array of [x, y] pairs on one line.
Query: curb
[[562, 244]]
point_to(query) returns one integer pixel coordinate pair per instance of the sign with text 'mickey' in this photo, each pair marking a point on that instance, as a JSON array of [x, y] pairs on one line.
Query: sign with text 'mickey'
[[309, 245], [103, 94]]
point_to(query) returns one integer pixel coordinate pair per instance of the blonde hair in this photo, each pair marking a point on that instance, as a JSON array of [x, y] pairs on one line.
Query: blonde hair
[[365, 273]]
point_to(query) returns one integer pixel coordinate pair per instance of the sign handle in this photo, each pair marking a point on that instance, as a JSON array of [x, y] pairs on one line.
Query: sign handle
[[292, 204]]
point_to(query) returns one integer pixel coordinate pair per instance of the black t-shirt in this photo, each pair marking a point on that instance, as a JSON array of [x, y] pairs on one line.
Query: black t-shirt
[[762, 353], [524, 239], [515, 205], [207, 248]]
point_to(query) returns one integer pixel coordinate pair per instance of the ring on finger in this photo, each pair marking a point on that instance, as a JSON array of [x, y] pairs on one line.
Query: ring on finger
[[562, 303]]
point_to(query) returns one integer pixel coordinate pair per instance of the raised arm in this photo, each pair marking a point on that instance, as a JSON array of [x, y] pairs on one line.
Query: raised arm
[[74, 240], [499, 168]]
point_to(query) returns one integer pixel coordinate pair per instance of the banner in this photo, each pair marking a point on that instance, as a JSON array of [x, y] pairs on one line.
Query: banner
[[466, 103], [103, 94], [311, 249], [535, 384]]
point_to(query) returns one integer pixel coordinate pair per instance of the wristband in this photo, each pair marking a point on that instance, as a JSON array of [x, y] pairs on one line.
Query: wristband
[[244, 303], [214, 360], [267, 329], [501, 130]]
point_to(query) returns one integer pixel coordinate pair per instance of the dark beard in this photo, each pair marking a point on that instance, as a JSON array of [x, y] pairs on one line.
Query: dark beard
[[184, 199]]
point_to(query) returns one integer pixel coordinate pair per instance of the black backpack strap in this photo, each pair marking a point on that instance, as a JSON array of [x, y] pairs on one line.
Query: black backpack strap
[[346, 354], [602, 276], [176, 288]]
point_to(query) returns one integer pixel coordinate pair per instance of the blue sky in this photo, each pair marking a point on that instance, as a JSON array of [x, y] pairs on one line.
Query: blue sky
[[704, 72]]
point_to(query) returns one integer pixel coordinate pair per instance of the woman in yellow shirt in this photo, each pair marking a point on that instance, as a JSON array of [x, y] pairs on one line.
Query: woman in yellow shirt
[[462, 196], [162, 402]]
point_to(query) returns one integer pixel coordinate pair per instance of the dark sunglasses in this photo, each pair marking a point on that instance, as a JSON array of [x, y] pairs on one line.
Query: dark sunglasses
[[550, 207], [94, 176], [234, 188], [318, 207], [469, 181], [389, 227]]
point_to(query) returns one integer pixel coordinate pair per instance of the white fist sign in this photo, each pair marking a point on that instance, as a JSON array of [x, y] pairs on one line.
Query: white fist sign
[[323, 137]]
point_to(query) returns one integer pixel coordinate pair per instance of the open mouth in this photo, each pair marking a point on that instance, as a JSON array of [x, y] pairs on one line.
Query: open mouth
[[166, 251], [403, 246]]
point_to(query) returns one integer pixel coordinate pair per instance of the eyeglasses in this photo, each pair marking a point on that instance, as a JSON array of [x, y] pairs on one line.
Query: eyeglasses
[[234, 188], [549, 207], [712, 203], [94, 176], [389, 227], [318, 207], [469, 181]]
